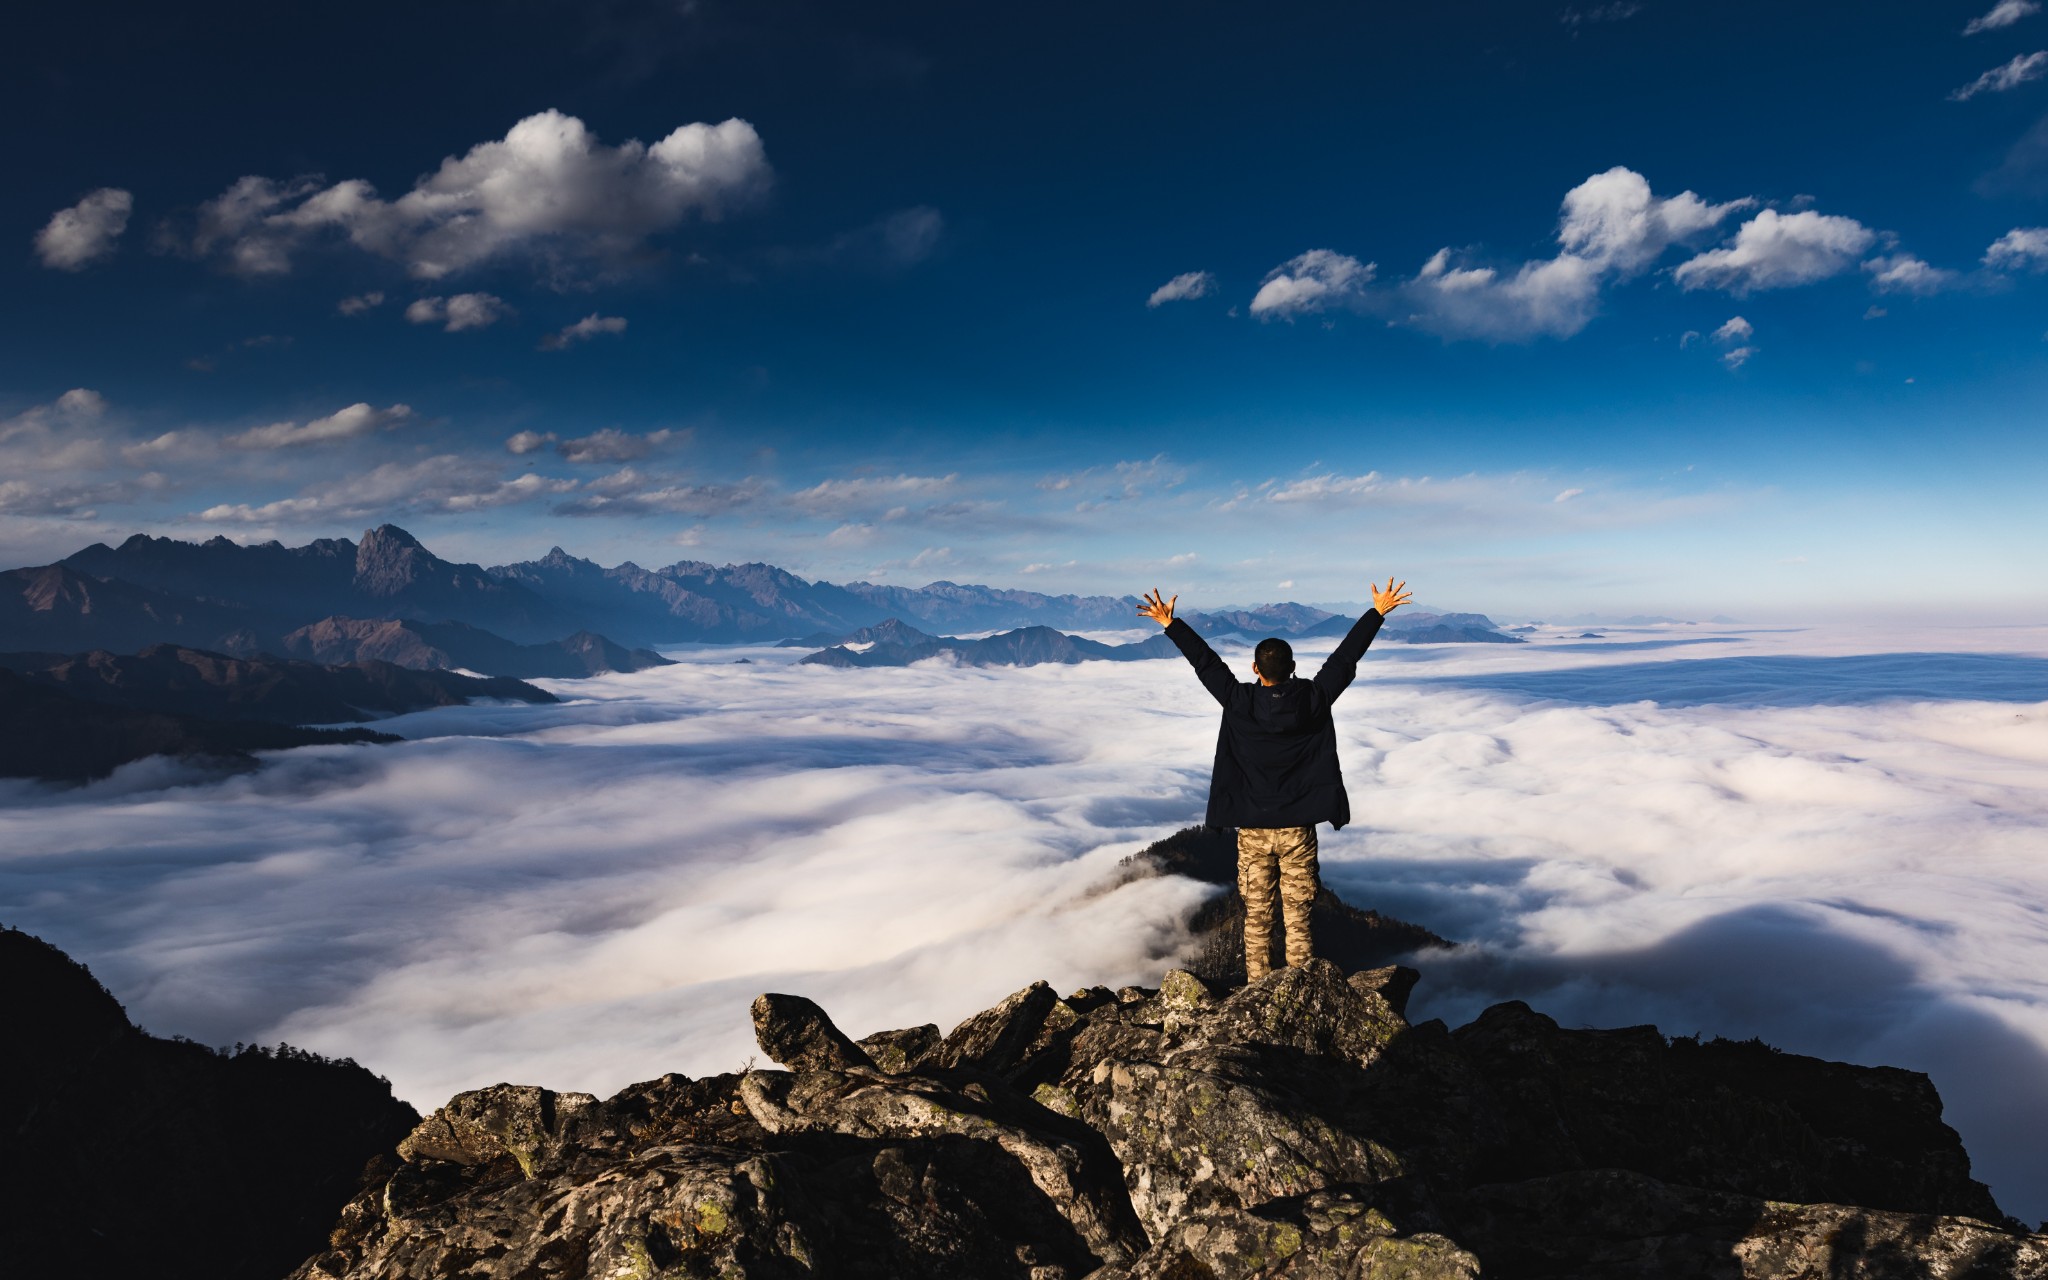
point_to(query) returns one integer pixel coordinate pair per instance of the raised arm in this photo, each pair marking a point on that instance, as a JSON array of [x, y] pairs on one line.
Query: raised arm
[[1341, 667], [1211, 670]]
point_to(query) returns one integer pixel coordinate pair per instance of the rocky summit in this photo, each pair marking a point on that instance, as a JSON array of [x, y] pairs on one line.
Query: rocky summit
[[1298, 1127]]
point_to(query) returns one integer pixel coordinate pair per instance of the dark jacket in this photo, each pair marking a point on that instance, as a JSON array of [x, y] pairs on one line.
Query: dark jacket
[[1276, 755]]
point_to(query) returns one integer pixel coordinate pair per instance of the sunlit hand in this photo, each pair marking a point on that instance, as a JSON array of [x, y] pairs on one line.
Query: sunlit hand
[[1158, 608], [1390, 599]]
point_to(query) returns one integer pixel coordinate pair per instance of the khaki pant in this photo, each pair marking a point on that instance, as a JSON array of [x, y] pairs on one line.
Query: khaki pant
[[1270, 859]]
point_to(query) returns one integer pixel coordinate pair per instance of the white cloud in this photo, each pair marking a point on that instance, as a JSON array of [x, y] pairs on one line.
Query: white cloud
[[1567, 495], [529, 441], [358, 304], [1874, 312], [1776, 250], [1121, 482], [1738, 357], [859, 494], [343, 424], [56, 437], [1736, 330], [1319, 280], [1611, 227], [446, 483], [407, 905], [2002, 14], [463, 311], [582, 331], [1615, 11], [612, 445], [1904, 273], [2011, 75], [548, 188], [1185, 287], [82, 402], [85, 233], [648, 496], [2021, 247]]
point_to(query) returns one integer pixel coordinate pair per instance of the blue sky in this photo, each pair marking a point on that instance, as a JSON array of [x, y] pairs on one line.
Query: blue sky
[[865, 293]]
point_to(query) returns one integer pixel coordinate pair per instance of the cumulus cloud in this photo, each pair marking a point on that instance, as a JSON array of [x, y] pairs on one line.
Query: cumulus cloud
[[529, 441], [1611, 227], [446, 483], [343, 424], [1777, 250], [583, 330], [1736, 357], [1736, 329], [55, 437], [359, 303], [1620, 838], [2011, 75], [83, 234], [610, 445], [549, 189], [2003, 14], [1319, 280], [463, 311], [2020, 248], [1904, 273], [1185, 287]]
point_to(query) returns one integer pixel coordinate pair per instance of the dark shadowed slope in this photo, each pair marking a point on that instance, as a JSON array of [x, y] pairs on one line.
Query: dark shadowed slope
[[59, 608], [440, 645], [55, 736], [128, 1155], [182, 681]]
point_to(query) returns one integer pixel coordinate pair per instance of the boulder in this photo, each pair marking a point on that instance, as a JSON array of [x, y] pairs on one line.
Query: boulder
[[522, 1121], [796, 1033]]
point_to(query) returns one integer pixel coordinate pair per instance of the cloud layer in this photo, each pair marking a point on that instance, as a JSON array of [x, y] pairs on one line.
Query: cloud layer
[[1737, 834]]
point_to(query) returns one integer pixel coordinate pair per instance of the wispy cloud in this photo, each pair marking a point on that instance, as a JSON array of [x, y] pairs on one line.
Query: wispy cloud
[[2011, 75], [343, 424], [1183, 288], [2002, 15], [583, 330], [463, 311]]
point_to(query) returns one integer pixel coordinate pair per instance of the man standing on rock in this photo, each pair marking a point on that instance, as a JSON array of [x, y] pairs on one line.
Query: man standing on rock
[[1276, 773]]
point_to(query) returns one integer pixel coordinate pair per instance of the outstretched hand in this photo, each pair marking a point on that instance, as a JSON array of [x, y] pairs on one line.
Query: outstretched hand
[[1391, 598], [1158, 608]]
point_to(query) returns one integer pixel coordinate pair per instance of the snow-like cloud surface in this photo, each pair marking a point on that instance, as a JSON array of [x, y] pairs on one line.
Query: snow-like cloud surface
[[548, 187], [1777, 834]]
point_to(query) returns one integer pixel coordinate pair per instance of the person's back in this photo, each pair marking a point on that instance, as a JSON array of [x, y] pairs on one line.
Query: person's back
[[1276, 773]]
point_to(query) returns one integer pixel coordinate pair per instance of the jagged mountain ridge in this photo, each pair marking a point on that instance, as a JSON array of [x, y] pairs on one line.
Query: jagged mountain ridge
[[222, 595]]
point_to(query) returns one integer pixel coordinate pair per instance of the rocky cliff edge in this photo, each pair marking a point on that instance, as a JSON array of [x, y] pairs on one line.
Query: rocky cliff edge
[[1296, 1127]]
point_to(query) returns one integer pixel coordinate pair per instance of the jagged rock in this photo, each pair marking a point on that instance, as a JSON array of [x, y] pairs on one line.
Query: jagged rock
[[1611, 1224], [1308, 1007], [1218, 1126], [1067, 1163], [904, 1050], [1325, 1236], [1295, 1129], [995, 1040], [796, 1033], [521, 1121]]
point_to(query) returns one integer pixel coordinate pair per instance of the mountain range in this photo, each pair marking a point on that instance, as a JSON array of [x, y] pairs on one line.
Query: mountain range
[[325, 599]]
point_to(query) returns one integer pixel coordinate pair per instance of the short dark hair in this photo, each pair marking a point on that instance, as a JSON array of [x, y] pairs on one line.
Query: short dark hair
[[1273, 659]]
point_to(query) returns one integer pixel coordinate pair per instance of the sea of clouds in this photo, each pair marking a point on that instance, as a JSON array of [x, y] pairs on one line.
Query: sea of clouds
[[1830, 838]]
